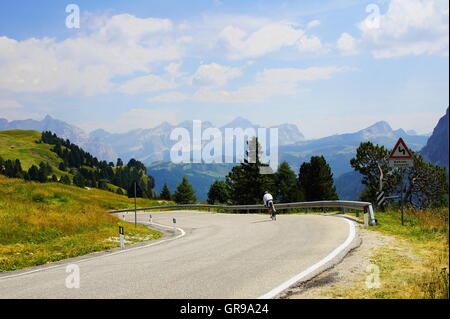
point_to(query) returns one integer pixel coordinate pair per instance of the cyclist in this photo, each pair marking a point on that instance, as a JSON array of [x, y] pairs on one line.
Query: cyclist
[[268, 202]]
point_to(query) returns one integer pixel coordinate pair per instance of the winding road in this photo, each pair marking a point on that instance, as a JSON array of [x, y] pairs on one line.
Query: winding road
[[209, 255]]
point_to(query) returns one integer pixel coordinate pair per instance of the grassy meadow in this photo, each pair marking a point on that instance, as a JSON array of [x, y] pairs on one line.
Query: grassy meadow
[[22, 145], [42, 223]]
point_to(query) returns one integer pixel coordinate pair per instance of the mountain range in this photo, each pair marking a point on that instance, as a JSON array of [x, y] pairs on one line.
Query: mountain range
[[152, 147]]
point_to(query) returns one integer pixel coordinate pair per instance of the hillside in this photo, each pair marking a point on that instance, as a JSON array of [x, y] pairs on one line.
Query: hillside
[[349, 186], [45, 156], [436, 149], [22, 145], [51, 221]]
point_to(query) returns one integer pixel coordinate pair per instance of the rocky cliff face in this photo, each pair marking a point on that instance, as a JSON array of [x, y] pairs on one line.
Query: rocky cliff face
[[436, 149]]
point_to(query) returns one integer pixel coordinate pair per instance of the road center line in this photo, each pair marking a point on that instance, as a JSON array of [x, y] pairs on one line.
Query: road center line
[[314, 267]]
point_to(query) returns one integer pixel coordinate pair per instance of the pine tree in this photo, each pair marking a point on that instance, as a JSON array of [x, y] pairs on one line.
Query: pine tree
[[218, 193], [184, 194], [165, 193], [62, 166], [316, 180], [44, 171], [79, 180], [65, 180], [287, 186], [33, 173], [245, 182]]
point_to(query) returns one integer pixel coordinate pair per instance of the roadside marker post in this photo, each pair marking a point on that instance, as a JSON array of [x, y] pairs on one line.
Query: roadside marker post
[[401, 157], [135, 210], [366, 218], [122, 239], [380, 198]]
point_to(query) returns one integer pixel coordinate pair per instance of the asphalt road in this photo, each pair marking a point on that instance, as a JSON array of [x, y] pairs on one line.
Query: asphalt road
[[209, 256]]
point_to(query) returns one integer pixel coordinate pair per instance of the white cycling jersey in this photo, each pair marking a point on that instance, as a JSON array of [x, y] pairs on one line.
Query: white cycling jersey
[[266, 198]]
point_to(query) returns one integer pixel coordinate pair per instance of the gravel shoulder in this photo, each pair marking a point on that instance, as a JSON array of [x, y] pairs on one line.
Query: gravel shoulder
[[346, 274]]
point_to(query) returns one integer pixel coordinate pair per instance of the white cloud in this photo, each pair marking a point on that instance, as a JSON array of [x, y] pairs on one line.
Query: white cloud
[[128, 28], [265, 40], [9, 104], [409, 27], [268, 83], [310, 44], [347, 44], [169, 97], [148, 83], [144, 118], [173, 69], [17, 113], [214, 75], [121, 45], [313, 24]]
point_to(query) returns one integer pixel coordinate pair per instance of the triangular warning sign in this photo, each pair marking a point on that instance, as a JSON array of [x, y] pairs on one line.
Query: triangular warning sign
[[400, 150]]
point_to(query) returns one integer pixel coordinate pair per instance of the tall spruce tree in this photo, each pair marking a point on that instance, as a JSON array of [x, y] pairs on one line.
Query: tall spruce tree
[[245, 182], [316, 180], [218, 193], [287, 186], [165, 193], [184, 194]]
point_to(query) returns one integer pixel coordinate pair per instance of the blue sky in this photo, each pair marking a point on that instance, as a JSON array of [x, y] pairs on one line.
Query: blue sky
[[329, 66]]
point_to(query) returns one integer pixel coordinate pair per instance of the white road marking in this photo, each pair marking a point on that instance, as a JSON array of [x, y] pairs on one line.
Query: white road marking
[[314, 267], [183, 233]]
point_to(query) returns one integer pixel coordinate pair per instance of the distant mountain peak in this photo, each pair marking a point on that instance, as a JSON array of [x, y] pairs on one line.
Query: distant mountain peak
[[380, 126], [240, 122]]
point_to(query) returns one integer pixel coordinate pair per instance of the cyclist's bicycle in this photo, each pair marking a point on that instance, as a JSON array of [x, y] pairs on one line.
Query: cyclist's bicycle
[[272, 211]]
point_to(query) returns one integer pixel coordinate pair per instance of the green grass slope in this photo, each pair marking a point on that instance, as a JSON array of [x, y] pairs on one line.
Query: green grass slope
[[22, 145], [41, 223]]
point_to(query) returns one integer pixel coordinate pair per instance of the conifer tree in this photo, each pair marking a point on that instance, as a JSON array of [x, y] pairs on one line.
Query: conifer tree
[[184, 194], [287, 186], [165, 193], [316, 180], [245, 182]]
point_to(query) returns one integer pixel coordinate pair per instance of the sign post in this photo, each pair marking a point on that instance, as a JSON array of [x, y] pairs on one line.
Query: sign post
[[122, 239], [401, 157]]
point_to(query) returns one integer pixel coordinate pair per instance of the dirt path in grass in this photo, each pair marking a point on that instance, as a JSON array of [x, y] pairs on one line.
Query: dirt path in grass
[[350, 271]]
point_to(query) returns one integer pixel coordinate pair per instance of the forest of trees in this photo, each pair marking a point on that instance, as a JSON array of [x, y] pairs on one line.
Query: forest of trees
[[245, 185], [87, 170]]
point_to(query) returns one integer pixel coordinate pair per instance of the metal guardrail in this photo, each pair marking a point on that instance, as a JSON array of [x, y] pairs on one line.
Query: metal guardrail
[[366, 207]]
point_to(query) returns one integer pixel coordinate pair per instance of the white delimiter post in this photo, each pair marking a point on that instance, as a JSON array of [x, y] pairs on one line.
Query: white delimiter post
[[372, 216], [366, 220], [122, 239]]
